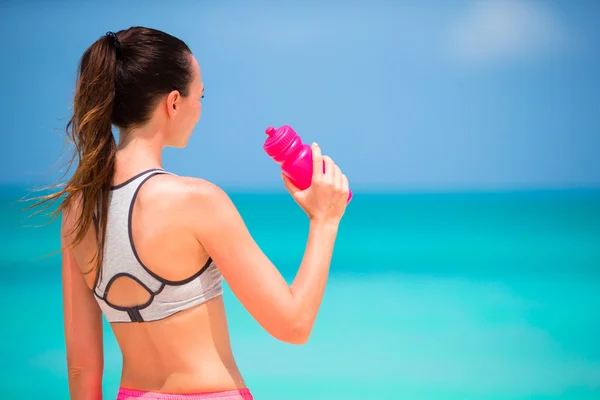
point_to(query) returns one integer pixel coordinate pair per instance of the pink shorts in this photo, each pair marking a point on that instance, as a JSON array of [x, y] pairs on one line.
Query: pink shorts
[[241, 394]]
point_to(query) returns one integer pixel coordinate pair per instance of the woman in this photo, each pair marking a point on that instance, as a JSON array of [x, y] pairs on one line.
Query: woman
[[149, 249]]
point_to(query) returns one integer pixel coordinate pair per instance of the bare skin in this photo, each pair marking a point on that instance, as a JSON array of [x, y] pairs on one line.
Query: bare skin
[[178, 222]]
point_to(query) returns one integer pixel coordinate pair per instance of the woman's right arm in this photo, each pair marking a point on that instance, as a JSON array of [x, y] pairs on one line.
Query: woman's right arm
[[287, 312]]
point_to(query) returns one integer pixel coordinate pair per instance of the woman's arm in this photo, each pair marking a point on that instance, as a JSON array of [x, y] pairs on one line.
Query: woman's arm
[[286, 312], [83, 328]]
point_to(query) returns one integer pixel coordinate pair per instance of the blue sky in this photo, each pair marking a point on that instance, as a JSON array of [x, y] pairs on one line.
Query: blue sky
[[428, 95]]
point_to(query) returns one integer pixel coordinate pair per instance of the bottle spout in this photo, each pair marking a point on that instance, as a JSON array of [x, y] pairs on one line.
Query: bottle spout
[[270, 131]]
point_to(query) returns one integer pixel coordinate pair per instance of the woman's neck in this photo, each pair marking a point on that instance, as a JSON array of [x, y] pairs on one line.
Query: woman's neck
[[140, 149]]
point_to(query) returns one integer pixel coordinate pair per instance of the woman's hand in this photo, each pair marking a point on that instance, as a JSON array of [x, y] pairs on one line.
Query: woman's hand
[[326, 199]]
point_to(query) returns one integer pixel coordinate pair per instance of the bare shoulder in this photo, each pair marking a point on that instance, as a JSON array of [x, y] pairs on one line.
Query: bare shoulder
[[182, 190], [189, 197]]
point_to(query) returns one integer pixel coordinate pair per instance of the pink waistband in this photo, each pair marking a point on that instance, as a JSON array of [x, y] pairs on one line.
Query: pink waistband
[[241, 394]]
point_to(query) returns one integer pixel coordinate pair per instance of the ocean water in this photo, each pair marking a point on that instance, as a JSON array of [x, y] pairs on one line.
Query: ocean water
[[431, 296]]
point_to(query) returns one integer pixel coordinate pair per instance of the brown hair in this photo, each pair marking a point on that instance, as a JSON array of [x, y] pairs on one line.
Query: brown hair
[[120, 79]]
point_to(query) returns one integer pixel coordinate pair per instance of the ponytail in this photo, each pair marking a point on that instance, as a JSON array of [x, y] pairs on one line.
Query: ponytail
[[90, 131], [151, 64]]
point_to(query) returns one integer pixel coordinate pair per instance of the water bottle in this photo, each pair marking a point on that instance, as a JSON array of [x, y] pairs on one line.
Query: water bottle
[[285, 147]]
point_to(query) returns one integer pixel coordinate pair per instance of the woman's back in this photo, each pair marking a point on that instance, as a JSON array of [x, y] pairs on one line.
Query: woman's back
[[150, 250], [154, 265]]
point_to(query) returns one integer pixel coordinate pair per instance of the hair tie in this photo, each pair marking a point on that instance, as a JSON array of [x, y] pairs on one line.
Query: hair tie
[[114, 38]]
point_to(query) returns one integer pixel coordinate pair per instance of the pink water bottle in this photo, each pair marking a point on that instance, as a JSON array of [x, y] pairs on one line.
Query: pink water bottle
[[285, 147]]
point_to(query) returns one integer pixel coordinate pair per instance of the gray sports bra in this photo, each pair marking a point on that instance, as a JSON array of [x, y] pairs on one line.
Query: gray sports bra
[[121, 260]]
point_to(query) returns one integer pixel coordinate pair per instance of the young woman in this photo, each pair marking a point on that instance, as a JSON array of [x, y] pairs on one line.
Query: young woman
[[149, 249]]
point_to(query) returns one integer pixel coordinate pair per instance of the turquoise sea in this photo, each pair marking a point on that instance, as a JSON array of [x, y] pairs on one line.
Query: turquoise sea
[[431, 296]]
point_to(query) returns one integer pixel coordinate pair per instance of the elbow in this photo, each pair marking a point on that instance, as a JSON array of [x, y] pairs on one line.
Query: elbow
[[83, 369], [292, 324], [298, 336], [84, 382], [82, 375], [295, 332], [75, 373]]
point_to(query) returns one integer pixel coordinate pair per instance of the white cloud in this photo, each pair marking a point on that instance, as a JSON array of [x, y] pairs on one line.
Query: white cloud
[[509, 30]]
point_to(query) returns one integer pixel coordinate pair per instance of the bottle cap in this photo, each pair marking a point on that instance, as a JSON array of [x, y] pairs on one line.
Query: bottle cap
[[278, 140]]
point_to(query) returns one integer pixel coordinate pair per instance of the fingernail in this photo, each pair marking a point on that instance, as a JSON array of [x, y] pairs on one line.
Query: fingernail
[[315, 144]]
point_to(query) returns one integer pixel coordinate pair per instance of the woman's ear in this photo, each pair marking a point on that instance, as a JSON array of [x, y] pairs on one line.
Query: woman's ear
[[173, 99]]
